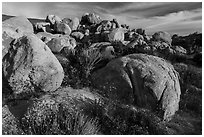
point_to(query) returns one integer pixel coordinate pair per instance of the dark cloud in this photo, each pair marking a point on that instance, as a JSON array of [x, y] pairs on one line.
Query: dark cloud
[[163, 9]]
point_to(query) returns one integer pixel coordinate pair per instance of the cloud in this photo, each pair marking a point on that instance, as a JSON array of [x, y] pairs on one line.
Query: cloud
[[174, 17], [159, 9]]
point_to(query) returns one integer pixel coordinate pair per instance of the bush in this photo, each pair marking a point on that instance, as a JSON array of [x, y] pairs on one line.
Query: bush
[[58, 116]]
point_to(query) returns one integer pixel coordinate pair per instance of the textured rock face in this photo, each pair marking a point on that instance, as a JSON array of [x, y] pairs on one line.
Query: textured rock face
[[58, 43], [116, 35], [162, 36], [8, 35], [14, 28], [143, 80], [30, 65], [62, 28], [20, 23]]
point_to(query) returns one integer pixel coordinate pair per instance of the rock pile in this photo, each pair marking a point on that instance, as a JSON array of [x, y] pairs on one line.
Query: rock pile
[[133, 71]]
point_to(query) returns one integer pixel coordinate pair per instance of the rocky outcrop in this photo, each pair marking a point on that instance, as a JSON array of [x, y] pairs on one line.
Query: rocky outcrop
[[90, 18], [30, 66], [162, 36], [143, 80], [105, 25]]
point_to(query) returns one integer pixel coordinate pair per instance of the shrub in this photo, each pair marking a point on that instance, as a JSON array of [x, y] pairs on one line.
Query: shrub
[[49, 117]]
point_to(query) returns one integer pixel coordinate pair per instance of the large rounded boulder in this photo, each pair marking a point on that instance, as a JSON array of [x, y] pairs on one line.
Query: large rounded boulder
[[142, 80], [30, 66]]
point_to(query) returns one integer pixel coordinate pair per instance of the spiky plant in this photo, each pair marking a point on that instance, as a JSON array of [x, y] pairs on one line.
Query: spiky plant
[[89, 59]]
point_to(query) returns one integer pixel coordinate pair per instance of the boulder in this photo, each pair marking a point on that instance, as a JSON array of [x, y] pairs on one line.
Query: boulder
[[115, 24], [77, 35], [73, 23], [116, 35], [90, 18], [62, 28], [58, 43], [46, 37], [142, 80], [140, 31], [105, 25], [21, 23], [139, 46], [30, 66], [162, 36], [179, 49], [42, 26], [53, 19]]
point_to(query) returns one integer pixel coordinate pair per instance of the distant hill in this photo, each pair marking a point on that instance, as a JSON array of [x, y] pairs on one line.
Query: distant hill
[[32, 20]]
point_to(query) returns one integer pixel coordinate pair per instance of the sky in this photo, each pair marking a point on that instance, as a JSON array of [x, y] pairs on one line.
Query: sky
[[174, 17]]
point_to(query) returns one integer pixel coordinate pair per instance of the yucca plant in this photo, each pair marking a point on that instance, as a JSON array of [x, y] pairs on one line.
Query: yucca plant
[[89, 59]]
